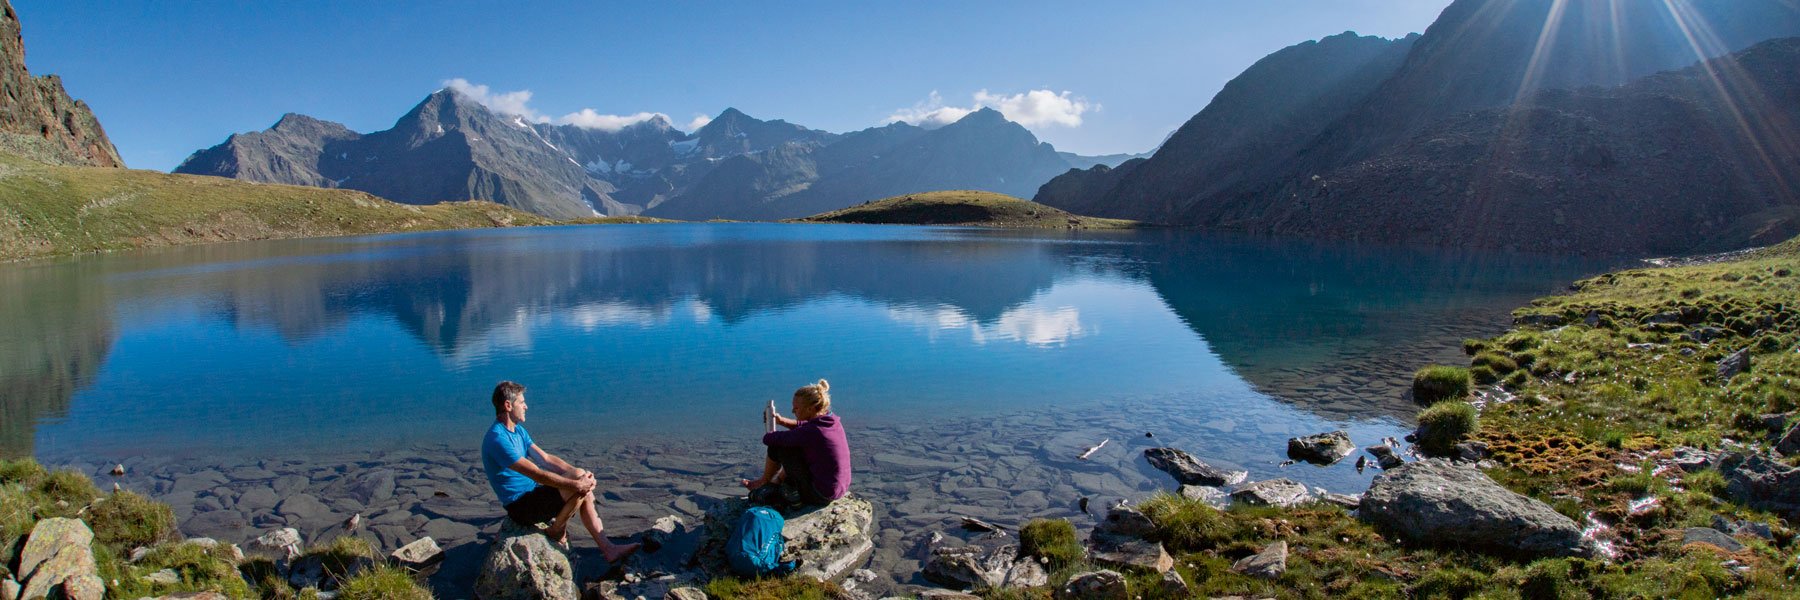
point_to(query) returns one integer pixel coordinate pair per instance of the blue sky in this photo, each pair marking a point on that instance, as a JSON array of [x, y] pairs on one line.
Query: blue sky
[[168, 78]]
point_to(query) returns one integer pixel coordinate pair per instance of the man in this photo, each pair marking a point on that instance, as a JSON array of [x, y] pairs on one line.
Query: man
[[531, 493]]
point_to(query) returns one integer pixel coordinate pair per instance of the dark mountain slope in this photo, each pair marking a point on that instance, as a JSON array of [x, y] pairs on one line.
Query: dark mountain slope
[[39, 120], [1257, 121], [1664, 165]]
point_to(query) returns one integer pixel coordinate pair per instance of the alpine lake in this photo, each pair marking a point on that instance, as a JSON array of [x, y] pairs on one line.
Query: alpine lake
[[258, 385]]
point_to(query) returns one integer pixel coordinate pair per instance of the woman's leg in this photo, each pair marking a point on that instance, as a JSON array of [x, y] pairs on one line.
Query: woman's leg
[[771, 470]]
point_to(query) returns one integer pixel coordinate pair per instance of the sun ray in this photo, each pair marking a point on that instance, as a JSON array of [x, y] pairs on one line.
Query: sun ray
[[1733, 87]]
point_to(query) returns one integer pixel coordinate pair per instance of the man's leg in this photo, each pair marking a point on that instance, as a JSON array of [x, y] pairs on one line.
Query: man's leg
[[559, 526], [590, 519]]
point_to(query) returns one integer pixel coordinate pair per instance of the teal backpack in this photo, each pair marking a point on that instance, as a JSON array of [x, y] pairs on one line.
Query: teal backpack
[[755, 546]]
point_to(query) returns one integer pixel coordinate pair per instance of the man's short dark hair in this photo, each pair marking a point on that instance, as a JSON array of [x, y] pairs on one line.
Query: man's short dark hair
[[507, 391]]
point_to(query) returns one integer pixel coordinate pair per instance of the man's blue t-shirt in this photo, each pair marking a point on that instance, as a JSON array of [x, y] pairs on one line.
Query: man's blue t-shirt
[[499, 450]]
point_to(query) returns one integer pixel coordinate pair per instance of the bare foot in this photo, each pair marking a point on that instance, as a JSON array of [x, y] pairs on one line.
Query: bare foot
[[558, 534], [616, 552], [754, 483]]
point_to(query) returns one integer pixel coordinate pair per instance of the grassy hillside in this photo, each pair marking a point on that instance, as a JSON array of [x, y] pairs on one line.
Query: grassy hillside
[[48, 210], [965, 207]]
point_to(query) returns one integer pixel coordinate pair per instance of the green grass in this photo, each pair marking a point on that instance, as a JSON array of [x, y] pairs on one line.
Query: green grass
[[50, 210], [1438, 383], [1053, 540], [1444, 424], [965, 207], [128, 520], [784, 588], [383, 583], [201, 569]]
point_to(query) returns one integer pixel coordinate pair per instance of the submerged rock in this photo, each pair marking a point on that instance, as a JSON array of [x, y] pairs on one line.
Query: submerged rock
[[524, 565], [1189, 470], [1321, 449], [1439, 501], [1385, 456]]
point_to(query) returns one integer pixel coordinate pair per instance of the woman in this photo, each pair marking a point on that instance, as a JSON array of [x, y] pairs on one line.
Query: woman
[[811, 459]]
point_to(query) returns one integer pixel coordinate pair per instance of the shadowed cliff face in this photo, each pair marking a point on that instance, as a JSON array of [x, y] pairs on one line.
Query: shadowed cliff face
[[38, 119]]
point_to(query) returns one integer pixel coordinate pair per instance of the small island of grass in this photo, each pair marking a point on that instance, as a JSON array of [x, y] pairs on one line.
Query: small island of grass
[[964, 207]]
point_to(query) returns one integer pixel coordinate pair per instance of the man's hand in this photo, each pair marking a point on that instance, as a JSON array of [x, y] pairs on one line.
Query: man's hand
[[585, 485]]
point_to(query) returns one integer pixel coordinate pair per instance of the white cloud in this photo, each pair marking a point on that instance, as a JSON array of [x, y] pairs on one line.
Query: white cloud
[[588, 119], [698, 122], [517, 103], [507, 103], [1036, 108]]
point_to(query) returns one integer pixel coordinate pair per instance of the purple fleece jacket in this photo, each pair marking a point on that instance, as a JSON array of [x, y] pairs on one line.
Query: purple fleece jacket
[[821, 440]]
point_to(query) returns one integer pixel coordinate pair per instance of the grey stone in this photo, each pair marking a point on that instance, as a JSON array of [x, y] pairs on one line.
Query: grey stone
[[1025, 572], [965, 567], [1705, 334], [280, 545], [1272, 492], [9, 589], [1105, 584], [905, 464], [1439, 501], [1129, 552], [164, 577], [418, 556], [1743, 527], [1762, 482], [1470, 451], [1789, 444], [1173, 585], [944, 595], [304, 507], [1321, 449], [1737, 362], [1347, 501], [1270, 563], [1385, 456], [1663, 317], [831, 540], [373, 486], [685, 593], [524, 565], [446, 529], [1125, 521], [1189, 470], [86, 586], [1711, 537], [1210, 495]]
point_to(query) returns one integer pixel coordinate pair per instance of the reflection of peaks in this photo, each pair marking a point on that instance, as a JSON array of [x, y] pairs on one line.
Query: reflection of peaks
[[1030, 324]]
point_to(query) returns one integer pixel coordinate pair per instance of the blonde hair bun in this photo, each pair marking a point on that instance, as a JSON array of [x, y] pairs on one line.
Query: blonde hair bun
[[824, 386]]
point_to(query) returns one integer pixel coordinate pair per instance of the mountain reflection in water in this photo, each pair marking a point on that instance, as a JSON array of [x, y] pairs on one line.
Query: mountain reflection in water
[[616, 328]]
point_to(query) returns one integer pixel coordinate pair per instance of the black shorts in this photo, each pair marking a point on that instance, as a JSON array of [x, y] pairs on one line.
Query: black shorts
[[539, 505]]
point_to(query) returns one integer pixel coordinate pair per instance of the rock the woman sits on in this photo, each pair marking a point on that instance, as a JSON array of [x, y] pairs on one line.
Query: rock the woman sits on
[[811, 459]]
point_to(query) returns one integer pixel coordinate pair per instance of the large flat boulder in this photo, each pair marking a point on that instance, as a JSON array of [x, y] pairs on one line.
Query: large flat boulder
[[829, 541], [1436, 501], [58, 559]]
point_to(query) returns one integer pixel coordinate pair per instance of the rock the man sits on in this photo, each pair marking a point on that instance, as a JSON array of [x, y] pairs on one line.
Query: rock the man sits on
[[533, 493]]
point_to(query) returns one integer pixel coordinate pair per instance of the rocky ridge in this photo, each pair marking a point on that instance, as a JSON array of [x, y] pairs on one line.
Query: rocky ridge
[[39, 120]]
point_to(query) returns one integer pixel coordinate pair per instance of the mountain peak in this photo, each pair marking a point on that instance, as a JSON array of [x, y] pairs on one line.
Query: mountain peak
[[983, 116], [731, 113]]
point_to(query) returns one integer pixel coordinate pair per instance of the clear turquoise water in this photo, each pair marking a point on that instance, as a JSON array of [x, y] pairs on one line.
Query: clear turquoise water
[[673, 331]]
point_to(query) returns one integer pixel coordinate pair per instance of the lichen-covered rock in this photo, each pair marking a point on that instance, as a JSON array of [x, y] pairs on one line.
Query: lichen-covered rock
[[1189, 470], [1272, 492], [1439, 501], [525, 565], [967, 567], [1270, 563], [685, 593], [1025, 572], [57, 552], [830, 541], [1126, 521], [1105, 584], [1737, 362], [1321, 449]]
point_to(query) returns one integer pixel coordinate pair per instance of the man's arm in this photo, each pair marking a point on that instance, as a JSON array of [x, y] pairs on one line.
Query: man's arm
[[558, 465], [579, 485]]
